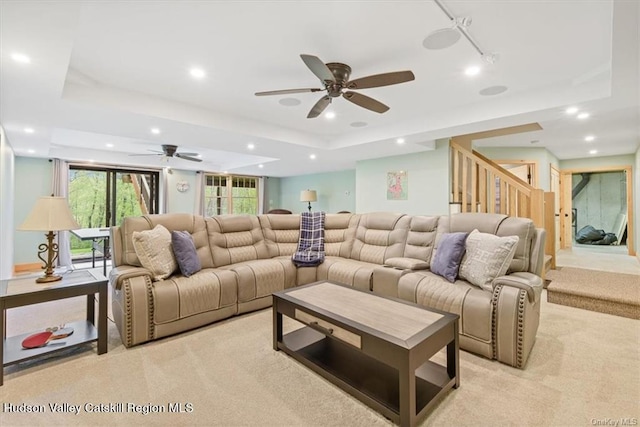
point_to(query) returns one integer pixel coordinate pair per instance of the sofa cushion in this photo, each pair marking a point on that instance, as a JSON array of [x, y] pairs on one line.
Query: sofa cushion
[[487, 256], [446, 262], [347, 271], [185, 252], [407, 263], [380, 236], [179, 297], [261, 278], [153, 248], [421, 238], [235, 238], [281, 233]]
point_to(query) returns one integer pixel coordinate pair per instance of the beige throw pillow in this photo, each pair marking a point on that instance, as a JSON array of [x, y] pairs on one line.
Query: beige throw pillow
[[153, 248], [487, 256]]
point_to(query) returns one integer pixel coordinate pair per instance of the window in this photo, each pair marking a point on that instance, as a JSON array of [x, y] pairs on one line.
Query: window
[[226, 194]]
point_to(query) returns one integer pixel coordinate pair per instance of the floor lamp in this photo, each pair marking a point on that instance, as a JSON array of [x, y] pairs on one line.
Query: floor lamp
[[50, 214], [308, 196]]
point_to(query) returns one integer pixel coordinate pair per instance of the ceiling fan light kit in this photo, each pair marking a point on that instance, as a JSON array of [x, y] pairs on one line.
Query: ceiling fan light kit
[[335, 78]]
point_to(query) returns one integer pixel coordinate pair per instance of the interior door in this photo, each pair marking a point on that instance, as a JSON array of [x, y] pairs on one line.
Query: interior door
[[522, 172], [555, 188], [565, 211]]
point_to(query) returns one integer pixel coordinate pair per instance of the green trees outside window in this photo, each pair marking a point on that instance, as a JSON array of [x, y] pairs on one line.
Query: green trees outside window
[[101, 197], [226, 194]]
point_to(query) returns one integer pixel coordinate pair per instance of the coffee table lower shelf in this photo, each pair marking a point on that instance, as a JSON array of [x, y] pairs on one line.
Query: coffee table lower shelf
[[83, 332], [372, 382]]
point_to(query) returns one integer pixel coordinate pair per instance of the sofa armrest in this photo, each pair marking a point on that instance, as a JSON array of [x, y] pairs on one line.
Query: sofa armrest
[[406, 263], [529, 282], [123, 272]]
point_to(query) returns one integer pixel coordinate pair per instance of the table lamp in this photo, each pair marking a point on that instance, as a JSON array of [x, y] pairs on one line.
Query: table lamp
[[308, 196], [50, 214]]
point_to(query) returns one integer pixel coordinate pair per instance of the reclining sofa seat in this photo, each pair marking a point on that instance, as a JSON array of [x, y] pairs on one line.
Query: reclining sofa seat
[[237, 244], [145, 310], [378, 236], [246, 258], [499, 323]]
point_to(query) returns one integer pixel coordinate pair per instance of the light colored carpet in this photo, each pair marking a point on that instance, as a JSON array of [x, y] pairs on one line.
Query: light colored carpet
[[606, 292], [583, 368]]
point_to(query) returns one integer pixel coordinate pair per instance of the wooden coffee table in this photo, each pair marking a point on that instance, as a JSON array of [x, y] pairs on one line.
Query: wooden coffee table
[[375, 348], [25, 291]]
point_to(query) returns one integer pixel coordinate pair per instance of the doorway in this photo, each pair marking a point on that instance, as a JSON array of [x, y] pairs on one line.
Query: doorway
[[526, 170], [101, 197], [601, 198]]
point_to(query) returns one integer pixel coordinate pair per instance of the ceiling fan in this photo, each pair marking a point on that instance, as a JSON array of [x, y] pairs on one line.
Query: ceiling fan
[[171, 151], [335, 78]]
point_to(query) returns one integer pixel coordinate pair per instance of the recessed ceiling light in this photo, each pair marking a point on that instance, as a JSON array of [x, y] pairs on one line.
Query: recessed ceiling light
[[400, 140], [330, 115], [493, 90], [589, 138], [155, 131], [197, 73], [250, 146], [312, 156], [572, 110], [225, 172], [582, 116], [260, 166], [358, 124], [199, 156], [31, 151], [593, 152], [91, 160], [21, 58], [109, 145], [472, 71], [28, 130], [289, 102]]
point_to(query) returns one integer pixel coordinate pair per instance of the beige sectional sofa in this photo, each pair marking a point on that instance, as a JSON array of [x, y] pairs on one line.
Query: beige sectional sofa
[[246, 258]]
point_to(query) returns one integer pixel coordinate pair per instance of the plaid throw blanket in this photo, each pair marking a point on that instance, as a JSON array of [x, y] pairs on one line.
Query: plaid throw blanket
[[310, 250]]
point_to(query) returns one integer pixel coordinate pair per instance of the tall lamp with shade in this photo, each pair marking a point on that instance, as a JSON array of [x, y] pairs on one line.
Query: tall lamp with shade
[[308, 196], [50, 214]]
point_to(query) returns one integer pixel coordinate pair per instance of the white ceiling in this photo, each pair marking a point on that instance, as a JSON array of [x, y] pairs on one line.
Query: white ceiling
[[107, 72]]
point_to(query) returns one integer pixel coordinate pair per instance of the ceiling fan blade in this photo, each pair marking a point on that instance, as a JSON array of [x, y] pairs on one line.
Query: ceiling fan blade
[[365, 102], [286, 91], [378, 80], [319, 107], [188, 154], [158, 154], [318, 68], [184, 156]]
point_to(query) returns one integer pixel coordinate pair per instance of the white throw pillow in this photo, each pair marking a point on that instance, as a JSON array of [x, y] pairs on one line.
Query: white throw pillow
[[487, 256], [153, 248]]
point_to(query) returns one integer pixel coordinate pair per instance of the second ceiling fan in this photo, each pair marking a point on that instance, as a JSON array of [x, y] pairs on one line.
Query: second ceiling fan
[[335, 78]]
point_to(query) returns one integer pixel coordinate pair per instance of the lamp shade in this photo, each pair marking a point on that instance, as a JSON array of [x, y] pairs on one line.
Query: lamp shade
[[308, 196], [50, 213]]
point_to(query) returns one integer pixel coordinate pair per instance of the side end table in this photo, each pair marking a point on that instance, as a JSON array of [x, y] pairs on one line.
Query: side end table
[[24, 291]]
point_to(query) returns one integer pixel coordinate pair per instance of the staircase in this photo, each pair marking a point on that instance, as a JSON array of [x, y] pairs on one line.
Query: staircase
[[480, 185]]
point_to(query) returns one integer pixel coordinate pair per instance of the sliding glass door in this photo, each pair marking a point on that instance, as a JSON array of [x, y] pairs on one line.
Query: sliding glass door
[[102, 197]]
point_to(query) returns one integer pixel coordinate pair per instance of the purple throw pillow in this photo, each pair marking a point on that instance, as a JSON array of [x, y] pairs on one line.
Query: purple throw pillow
[[448, 257], [185, 252]]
